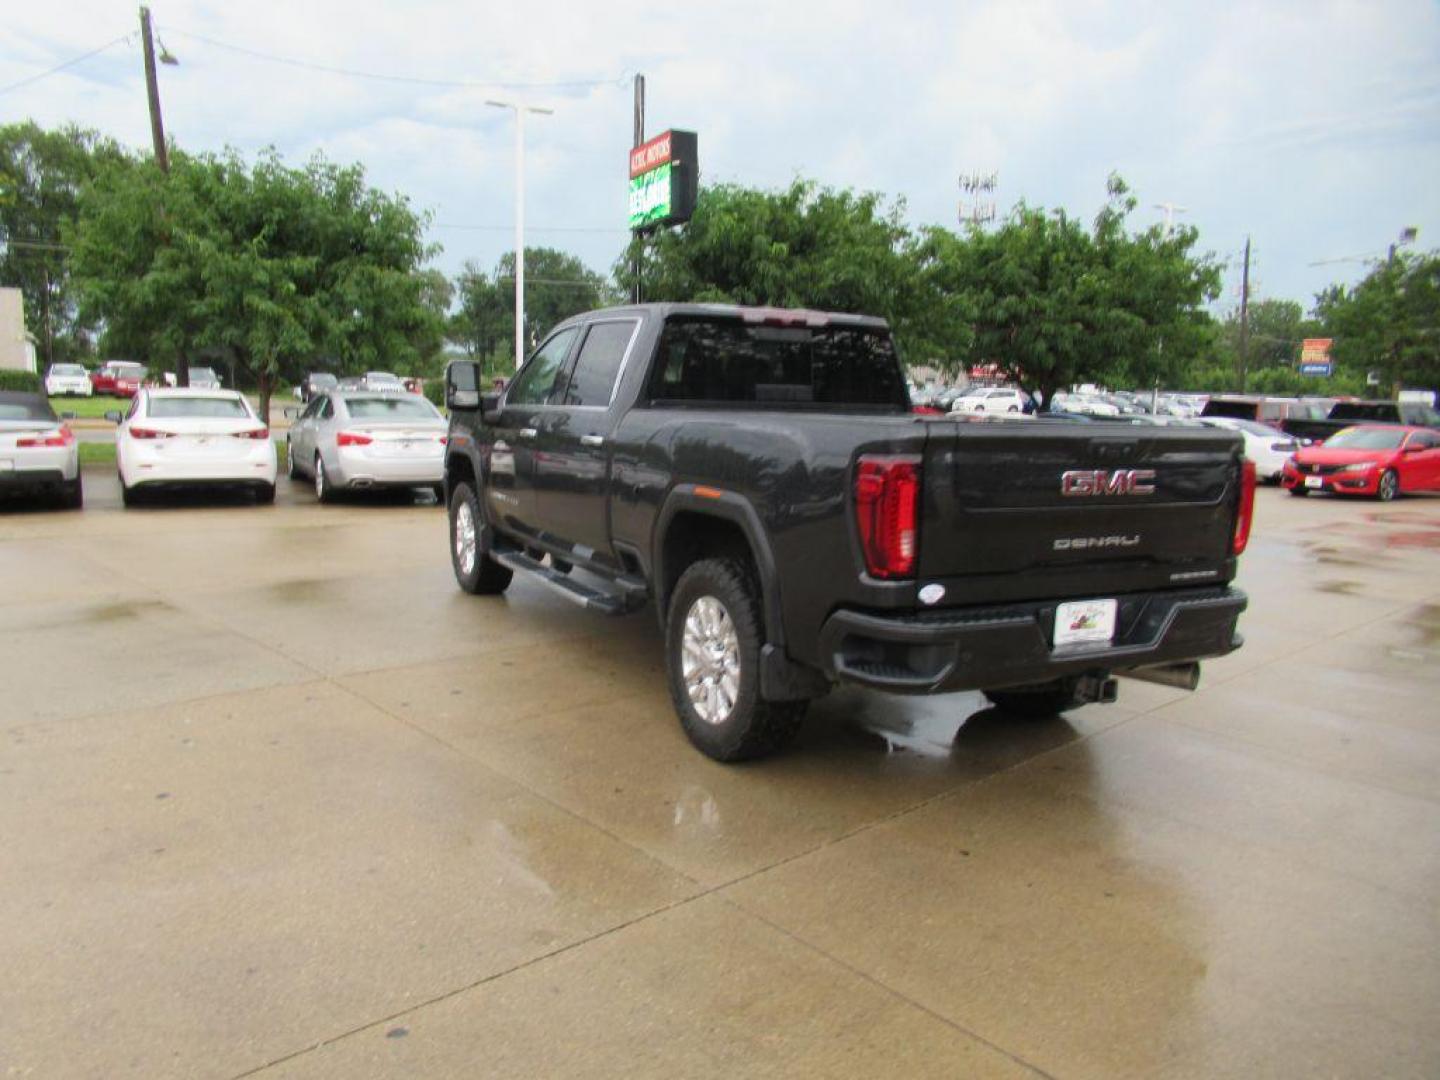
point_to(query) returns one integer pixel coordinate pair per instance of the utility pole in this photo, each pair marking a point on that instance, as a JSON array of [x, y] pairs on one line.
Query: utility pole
[[1170, 211], [45, 304], [635, 294], [152, 89], [1245, 317]]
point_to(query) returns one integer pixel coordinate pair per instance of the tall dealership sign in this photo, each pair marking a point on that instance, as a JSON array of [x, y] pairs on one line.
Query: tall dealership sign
[[664, 178]]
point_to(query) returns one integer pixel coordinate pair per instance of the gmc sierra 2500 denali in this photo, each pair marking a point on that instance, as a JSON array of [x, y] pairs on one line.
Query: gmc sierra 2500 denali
[[757, 475]]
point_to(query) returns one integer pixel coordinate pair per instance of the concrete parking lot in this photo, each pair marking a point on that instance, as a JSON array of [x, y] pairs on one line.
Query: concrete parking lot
[[277, 799]]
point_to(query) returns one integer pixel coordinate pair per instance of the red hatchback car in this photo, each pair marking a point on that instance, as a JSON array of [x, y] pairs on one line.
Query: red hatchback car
[[1380, 460]]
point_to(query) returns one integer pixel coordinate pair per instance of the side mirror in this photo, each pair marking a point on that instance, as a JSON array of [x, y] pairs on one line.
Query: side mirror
[[1414, 448], [462, 385], [114, 417], [291, 412]]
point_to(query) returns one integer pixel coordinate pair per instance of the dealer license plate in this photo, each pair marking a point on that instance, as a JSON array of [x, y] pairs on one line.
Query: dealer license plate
[[1085, 621], [1314, 481]]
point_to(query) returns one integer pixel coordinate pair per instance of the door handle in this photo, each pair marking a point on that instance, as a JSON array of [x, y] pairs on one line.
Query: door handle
[[592, 440], [526, 433]]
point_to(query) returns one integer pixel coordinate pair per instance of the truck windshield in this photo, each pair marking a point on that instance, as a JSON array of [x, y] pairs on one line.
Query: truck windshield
[[708, 360]]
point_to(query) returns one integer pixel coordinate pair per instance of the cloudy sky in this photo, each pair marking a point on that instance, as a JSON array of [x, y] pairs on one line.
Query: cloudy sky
[[1313, 127]]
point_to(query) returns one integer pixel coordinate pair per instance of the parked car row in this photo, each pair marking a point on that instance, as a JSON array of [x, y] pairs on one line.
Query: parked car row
[[117, 378]]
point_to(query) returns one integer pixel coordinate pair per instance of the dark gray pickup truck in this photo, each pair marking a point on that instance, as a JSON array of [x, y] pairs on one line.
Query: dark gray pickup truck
[[759, 477]]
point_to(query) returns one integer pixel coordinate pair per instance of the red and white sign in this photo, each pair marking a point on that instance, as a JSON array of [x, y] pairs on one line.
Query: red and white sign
[[1315, 350], [650, 155]]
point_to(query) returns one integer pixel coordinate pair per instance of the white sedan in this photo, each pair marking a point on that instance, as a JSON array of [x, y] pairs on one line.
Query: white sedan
[[193, 437], [65, 379], [355, 440], [1267, 448]]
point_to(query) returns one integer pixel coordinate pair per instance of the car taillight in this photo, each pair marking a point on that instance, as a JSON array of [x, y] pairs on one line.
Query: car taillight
[[1246, 517], [887, 503], [147, 433], [352, 438], [59, 437], [254, 433]]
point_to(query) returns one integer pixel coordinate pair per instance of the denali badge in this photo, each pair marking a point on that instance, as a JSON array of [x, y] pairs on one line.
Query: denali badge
[[1081, 543], [1108, 482]]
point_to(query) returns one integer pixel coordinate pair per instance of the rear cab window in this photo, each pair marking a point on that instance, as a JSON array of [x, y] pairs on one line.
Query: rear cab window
[[726, 361]]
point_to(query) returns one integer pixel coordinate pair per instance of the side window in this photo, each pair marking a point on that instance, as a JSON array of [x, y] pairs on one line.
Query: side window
[[326, 410], [592, 381], [311, 409], [533, 385]]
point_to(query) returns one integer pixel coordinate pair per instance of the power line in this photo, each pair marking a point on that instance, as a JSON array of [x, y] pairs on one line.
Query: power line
[[531, 228], [415, 80], [62, 67]]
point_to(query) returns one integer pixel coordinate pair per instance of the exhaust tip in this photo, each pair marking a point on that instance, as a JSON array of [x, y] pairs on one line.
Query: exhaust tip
[[1181, 676]]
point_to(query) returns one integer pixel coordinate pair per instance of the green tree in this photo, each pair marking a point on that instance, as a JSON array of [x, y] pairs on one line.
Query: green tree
[[1388, 323], [275, 265], [41, 176], [806, 246], [484, 317], [1054, 303], [557, 285]]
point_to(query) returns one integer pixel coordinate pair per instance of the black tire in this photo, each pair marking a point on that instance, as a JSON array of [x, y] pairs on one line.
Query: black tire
[[265, 496], [1389, 486], [1036, 702], [483, 576], [72, 495], [1298, 491], [290, 469], [128, 495], [751, 727], [439, 490], [323, 491]]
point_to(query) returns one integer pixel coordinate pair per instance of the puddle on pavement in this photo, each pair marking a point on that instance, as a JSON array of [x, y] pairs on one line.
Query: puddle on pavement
[[303, 590], [124, 609]]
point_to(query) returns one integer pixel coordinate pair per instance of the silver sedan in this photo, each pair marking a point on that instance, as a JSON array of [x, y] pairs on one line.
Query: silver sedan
[[354, 440]]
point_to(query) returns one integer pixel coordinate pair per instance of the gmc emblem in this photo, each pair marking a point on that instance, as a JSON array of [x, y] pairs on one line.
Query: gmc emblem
[[1108, 482]]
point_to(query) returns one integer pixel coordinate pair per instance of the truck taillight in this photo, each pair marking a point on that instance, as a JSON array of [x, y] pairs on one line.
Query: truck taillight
[[887, 512], [1246, 517], [352, 438], [59, 437]]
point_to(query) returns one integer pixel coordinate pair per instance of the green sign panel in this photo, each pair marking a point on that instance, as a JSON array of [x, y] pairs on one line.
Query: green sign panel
[[650, 197]]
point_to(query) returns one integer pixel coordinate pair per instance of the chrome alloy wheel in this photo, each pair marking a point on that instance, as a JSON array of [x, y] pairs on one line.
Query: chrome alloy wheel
[[710, 660], [465, 543], [321, 482]]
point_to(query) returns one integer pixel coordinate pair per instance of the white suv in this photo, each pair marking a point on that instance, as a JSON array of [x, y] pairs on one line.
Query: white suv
[[989, 401]]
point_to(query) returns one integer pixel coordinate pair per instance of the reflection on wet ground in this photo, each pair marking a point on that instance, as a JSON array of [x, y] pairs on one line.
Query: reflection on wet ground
[[273, 784]]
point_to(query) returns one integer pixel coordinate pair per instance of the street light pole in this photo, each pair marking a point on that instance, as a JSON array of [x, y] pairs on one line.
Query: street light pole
[[520, 109]]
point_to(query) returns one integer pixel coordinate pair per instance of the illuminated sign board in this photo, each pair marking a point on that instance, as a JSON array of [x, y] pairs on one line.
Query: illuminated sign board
[[664, 175], [1315, 356]]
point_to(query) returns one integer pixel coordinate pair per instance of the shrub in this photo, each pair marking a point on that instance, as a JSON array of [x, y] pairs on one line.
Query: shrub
[[21, 380], [435, 392]]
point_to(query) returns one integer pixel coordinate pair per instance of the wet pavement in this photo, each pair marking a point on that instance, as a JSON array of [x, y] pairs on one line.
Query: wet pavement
[[276, 799]]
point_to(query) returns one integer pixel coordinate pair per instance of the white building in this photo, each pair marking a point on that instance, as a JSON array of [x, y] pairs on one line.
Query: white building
[[17, 348]]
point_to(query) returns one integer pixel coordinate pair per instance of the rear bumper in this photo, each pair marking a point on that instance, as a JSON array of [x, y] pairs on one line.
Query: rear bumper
[[33, 479], [986, 648], [358, 469]]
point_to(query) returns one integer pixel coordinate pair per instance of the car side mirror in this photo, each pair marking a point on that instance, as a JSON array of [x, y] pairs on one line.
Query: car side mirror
[[1414, 448], [114, 417], [462, 385], [291, 412]]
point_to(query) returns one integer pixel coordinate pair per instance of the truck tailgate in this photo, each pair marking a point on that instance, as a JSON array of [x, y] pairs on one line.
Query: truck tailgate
[[1054, 509]]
